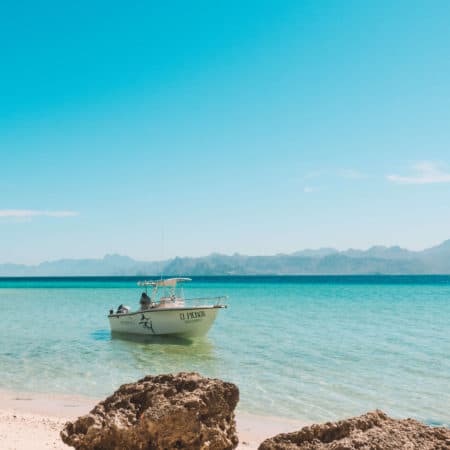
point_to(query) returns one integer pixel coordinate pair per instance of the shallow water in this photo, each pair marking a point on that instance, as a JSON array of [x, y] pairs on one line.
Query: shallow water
[[311, 348]]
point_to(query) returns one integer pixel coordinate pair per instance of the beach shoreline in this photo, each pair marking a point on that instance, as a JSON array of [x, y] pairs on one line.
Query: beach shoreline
[[34, 420]]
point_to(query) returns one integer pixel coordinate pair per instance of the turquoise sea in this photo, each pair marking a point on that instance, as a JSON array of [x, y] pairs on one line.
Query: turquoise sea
[[310, 348]]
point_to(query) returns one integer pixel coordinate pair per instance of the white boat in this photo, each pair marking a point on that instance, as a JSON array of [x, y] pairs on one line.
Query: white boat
[[167, 312]]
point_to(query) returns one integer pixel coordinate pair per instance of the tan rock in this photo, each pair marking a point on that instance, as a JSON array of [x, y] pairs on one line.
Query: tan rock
[[371, 431], [182, 411]]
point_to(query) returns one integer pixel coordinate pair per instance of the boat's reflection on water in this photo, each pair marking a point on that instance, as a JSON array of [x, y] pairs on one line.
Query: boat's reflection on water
[[165, 353], [154, 340]]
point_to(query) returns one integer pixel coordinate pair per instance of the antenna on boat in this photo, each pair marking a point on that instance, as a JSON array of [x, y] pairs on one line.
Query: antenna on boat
[[162, 251]]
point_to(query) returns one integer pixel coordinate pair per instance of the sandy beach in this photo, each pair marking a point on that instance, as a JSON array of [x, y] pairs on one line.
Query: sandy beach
[[34, 420]]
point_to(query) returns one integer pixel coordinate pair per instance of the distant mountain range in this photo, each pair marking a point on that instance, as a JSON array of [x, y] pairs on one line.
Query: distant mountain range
[[375, 260]]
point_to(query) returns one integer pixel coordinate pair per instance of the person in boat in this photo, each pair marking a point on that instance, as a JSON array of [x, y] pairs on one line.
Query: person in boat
[[145, 301]]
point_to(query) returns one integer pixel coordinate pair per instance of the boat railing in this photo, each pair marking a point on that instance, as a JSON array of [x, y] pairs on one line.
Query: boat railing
[[206, 301]]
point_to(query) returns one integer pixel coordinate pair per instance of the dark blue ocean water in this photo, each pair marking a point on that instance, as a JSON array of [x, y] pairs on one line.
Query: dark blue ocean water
[[310, 347]]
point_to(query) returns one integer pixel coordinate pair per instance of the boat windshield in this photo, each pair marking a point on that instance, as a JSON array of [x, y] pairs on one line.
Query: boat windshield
[[164, 290]]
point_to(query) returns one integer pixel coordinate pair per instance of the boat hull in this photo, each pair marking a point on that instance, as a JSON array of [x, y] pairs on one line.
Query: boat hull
[[186, 322]]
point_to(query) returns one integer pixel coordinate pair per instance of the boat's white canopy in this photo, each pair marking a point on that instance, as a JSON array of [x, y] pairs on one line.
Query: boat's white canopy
[[169, 282]]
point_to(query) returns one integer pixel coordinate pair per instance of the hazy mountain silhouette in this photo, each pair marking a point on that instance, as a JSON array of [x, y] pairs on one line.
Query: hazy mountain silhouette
[[375, 260]]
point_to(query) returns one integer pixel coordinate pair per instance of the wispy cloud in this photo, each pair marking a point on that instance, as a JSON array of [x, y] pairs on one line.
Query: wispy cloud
[[323, 176], [339, 173], [351, 174], [28, 213], [314, 174], [425, 172]]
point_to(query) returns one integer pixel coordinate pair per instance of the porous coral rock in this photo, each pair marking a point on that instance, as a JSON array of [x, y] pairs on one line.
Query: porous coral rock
[[371, 431], [173, 411]]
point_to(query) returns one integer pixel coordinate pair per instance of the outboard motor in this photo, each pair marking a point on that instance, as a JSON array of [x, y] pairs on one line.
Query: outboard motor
[[122, 309]]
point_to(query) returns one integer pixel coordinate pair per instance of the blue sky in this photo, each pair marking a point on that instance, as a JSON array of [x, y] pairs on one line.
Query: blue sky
[[251, 127]]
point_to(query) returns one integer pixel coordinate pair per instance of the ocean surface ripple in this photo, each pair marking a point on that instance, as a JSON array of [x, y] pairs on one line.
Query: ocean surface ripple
[[311, 348]]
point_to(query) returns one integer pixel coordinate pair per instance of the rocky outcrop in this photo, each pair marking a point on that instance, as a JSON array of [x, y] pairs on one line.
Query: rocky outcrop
[[371, 431], [182, 411]]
